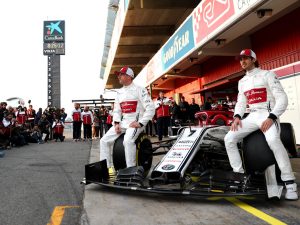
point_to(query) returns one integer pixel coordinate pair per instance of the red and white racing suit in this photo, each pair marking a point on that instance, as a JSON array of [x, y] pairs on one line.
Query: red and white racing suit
[[262, 91], [132, 103]]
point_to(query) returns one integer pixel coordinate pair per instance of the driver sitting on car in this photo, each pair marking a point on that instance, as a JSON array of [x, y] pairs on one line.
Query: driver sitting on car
[[262, 91], [132, 110]]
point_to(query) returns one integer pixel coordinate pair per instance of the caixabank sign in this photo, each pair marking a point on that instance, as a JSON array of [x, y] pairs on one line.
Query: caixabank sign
[[54, 31], [54, 37]]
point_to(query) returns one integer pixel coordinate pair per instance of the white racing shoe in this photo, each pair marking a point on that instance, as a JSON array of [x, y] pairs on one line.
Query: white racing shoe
[[291, 192]]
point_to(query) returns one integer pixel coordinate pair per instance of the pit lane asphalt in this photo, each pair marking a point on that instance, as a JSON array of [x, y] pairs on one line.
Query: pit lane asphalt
[[110, 207], [37, 179]]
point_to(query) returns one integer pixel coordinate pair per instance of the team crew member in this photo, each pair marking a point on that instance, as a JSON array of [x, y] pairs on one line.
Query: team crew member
[[21, 115], [31, 115], [162, 105], [58, 130], [262, 91], [76, 115], [132, 110], [6, 125], [44, 126], [87, 119]]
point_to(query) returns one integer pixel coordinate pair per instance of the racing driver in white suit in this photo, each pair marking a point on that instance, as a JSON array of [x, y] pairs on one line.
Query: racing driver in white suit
[[132, 110], [262, 91]]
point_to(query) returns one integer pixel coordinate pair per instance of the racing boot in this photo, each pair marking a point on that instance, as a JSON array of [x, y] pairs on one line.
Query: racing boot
[[291, 191], [112, 171]]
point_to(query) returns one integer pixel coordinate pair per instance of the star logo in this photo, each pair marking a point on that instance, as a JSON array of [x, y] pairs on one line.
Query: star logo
[[54, 26]]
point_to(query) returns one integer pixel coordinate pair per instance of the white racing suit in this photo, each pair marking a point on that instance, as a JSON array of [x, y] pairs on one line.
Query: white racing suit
[[132, 103], [262, 91]]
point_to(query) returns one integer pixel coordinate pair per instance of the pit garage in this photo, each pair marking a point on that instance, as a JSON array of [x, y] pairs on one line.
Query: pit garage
[[188, 48]]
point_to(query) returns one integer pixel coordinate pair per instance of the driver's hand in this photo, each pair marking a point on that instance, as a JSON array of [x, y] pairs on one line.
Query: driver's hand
[[135, 124], [266, 125], [235, 124], [118, 128]]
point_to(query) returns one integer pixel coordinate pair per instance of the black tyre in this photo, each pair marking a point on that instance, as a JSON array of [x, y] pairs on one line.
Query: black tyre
[[288, 139], [143, 151], [257, 153], [220, 122], [119, 153]]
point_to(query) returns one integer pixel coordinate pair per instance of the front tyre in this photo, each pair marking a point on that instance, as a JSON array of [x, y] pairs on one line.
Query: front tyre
[[143, 152]]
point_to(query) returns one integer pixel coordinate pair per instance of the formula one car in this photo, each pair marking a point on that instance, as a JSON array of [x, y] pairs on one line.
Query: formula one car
[[196, 163], [214, 117]]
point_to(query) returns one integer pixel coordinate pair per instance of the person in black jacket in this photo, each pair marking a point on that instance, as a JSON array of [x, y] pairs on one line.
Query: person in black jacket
[[38, 116], [2, 110], [184, 109], [175, 113], [44, 126], [207, 104], [194, 107]]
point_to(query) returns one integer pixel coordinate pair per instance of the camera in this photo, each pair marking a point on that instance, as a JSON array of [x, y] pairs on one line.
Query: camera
[[264, 12]]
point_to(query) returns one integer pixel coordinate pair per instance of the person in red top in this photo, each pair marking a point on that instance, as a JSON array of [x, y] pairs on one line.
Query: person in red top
[[162, 105], [58, 130], [21, 115], [31, 115], [30, 112], [87, 119], [5, 129], [76, 115], [109, 118]]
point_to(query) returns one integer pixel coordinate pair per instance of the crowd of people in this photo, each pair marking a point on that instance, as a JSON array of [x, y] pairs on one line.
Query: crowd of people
[[168, 113], [95, 122], [211, 104], [21, 125]]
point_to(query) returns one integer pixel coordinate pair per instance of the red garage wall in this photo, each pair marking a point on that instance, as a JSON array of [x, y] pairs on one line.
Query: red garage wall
[[219, 67], [185, 87], [278, 44]]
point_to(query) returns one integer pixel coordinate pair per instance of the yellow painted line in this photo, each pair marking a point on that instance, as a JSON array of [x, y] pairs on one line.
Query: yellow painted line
[[255, 212], [263, 216], [58, 214]]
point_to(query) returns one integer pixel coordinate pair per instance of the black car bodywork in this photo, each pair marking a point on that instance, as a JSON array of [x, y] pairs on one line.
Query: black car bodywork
[[195, 163]]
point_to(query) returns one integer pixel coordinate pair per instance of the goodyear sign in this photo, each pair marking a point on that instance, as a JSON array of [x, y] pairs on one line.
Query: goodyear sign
[[178, 45]]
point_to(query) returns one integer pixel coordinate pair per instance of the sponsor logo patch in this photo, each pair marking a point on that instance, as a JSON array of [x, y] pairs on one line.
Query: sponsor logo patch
[[128, 106], [256, 95], [168, 167]]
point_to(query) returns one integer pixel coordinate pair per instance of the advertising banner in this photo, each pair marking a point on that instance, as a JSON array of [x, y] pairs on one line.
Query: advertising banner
[[181, 42], [209, 16], [212, 17], [54, 31], [154, 68]]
